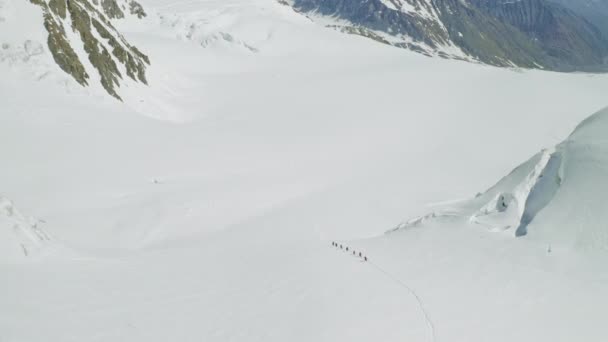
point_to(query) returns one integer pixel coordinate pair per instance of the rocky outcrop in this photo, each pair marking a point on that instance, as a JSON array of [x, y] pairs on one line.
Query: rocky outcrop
[[106, 49], [115, 10], [423, 33]]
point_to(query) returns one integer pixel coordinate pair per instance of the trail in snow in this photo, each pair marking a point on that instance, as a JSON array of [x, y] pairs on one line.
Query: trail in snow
[[421, 307], [411, 291]]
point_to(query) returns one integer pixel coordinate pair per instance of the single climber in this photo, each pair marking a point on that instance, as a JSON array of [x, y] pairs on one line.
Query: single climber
[[365, 258], [359, 254], [347, 249]]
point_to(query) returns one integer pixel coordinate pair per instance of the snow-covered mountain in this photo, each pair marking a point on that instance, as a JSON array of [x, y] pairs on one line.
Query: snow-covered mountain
[[527, 33], [79, 37], [204, 206]]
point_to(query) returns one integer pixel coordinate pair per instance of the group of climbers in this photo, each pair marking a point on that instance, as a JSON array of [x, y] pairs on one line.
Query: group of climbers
[[337, 245]]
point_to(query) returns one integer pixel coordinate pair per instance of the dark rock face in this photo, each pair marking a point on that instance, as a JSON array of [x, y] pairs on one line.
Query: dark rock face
[[524, 33], [527, 15], [567, 39], [486, 38], [375, 15], [106, 54], [595, 11]]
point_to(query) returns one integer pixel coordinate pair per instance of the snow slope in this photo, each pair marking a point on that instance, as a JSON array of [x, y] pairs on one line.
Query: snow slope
[[21, 236], [23, 42], [536, 198], [580, 223], [204, 206]]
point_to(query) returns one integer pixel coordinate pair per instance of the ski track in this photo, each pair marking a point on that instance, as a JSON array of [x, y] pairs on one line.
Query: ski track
[[410, 290], [413, 293]]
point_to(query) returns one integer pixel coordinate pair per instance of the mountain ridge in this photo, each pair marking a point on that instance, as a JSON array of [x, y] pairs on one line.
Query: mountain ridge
[[78, 36], [527, 33]]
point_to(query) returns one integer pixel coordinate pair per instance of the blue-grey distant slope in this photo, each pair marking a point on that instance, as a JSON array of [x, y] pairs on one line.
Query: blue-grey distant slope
[[525, 33]]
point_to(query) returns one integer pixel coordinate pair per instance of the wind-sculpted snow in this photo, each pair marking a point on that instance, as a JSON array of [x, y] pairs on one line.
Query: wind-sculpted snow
[[557, 196], [20, 237], [201, 28], [577, 216]]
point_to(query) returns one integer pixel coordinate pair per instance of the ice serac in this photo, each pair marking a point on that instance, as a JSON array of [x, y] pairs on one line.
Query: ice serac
[[526, 33], [558, 196], [578, 214], [20, 236], [515, 201]]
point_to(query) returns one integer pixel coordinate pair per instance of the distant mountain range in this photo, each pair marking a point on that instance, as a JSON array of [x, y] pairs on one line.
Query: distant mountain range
[[559, 35], [523, 33]]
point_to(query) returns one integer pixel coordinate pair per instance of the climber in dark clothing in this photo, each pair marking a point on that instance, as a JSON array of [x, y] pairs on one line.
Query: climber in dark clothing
[[359, 254]]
